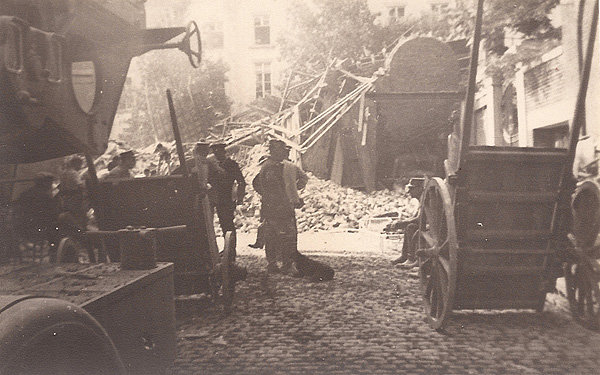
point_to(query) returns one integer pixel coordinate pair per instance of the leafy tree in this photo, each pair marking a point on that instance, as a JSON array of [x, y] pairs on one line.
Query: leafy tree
[[198, 96], [322, 31], [334, 29]]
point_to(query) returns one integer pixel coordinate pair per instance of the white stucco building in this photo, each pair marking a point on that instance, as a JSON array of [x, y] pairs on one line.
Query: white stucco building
[[244, 33]]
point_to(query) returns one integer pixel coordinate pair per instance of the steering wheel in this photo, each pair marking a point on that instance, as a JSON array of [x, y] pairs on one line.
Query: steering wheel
[[191, 44]]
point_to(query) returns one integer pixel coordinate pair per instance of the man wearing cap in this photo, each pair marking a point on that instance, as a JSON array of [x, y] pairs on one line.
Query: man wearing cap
[[278, 186], [123, 170], [222, 174]]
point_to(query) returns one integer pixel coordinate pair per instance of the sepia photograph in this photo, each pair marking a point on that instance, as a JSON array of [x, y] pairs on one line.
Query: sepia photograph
[[305, 187]]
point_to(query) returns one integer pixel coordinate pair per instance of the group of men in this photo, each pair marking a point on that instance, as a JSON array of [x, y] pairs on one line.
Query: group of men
[[278, 183], [45, 213]]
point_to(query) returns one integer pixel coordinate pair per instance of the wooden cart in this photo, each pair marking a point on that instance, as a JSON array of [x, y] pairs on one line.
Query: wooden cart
[[486, 239], [492, 232]]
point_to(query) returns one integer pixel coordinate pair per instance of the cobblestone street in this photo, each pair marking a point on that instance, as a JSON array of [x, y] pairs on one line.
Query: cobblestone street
[[368, 320]]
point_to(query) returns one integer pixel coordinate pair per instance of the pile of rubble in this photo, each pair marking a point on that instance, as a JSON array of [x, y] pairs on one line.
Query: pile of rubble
[[146, 158], [327, 205]]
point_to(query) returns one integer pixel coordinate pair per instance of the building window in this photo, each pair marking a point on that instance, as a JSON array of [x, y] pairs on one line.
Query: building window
[[212, 36], [439, 7], [553, 136], [395, 14], [262, 30], [263, 79]]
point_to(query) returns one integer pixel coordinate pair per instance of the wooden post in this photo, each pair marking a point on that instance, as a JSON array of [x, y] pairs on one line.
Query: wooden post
[[566, 176], [472, 85], [285, 91], [202, 200], [203, 204], [178, 143]]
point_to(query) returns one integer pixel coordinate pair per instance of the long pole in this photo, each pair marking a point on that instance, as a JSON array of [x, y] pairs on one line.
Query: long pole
[[471, 88], [178, 143], [579, 114], [566, 176]]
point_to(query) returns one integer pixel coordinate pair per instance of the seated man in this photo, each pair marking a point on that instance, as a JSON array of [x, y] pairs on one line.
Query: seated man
[[37, 212], [409, 226]]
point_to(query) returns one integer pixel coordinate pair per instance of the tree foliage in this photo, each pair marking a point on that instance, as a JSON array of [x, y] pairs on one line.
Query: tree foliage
[[198, 95], [324, 30], [340, 29]]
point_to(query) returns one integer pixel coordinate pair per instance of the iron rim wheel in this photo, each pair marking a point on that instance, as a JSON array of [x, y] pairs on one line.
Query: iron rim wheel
[[68, 251], [437, 252], [583, 294]]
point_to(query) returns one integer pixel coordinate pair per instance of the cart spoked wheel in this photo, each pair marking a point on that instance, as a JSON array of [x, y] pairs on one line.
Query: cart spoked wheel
[[437, 252], [227, 271], [583, 294]]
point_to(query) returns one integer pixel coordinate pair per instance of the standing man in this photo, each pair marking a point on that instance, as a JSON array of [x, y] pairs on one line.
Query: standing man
[[278, 185], [122, 170], [71, 191], [222, 174]]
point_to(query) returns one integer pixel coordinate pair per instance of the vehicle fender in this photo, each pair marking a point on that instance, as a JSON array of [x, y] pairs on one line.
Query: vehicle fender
[[49, 335]]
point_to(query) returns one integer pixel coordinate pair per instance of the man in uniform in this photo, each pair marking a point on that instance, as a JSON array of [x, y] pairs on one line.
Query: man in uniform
[[278, 185], [222, 174]]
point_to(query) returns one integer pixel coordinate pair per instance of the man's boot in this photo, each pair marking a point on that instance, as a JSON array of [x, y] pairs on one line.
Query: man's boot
[[273, 268], [259, 243], [400, 260], [290, 270]]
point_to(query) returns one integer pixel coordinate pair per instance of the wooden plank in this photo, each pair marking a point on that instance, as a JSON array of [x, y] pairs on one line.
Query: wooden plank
[[511, 196], [494, 304], [503, 270], [516, 154], [337, 169], [491, 235], [505, 251]]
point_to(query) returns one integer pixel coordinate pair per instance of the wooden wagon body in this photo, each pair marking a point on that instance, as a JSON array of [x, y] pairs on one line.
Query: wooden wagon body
[[493, 234], [165, 203]]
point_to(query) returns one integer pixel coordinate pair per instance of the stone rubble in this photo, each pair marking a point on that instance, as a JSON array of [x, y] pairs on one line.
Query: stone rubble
[[327, 205]]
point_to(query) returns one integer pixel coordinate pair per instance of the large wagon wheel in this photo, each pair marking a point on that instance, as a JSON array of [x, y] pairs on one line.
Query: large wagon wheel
[[70, 250], [437, 252], [582, 275]]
